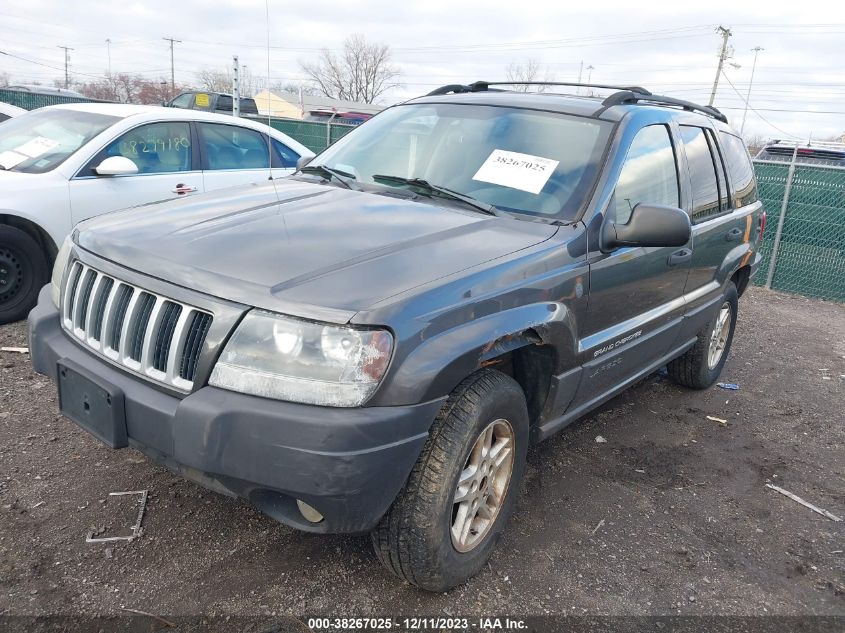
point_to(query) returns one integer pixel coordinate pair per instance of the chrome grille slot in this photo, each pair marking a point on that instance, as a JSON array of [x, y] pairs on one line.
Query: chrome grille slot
[[151, 335], [196, 336], [169, 319], [139, 324], [95, 330], [116, 326]]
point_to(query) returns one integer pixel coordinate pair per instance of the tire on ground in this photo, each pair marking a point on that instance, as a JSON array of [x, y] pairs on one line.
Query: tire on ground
[[23, 272], [692, 369], [414, 539]]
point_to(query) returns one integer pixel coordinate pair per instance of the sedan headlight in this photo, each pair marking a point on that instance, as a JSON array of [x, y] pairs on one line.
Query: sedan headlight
[[281, 357], [59, 270]]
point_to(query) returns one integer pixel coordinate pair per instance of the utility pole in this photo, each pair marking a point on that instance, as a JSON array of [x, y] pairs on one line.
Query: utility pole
[[723, 55], [756, 50], [172, 71], [108, 52], [580, 72], [236, 88], [67, 59]]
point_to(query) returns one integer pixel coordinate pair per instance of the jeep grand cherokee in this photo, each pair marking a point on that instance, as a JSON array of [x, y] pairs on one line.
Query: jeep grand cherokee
[[373, 344]]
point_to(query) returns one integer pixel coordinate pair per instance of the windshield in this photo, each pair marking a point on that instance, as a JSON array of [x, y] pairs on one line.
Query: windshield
[[520, 161], [40, 141]]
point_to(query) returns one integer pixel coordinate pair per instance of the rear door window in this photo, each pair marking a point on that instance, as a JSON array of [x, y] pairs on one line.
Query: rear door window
[[702, 168], [721, 173], [232, 147], [741, 171]]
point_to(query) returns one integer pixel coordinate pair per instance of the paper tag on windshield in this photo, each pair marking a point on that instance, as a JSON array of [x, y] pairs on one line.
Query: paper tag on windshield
[[9, 159], [37, 146], [515, 170]]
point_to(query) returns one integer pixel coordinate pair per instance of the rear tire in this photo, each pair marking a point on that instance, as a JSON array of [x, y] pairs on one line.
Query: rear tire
[[701, 365], [447, 519], [23, 272]]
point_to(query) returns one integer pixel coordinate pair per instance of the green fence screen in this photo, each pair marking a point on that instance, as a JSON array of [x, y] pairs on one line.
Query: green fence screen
[[810, 258], [32, 100], [315, 135]]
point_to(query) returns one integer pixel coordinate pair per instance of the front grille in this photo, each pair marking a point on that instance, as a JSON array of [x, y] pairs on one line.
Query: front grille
[[149, 334]]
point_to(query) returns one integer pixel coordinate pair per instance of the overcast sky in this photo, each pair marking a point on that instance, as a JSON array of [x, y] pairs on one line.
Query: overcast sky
[[672, 47]]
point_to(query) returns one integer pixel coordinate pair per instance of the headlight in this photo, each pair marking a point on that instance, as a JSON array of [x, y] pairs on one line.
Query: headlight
[[281, 357], [59, 270]]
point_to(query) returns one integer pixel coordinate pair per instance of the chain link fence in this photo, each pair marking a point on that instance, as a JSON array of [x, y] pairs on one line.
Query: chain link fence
[[315, 135], [32, 100], [804, 248]]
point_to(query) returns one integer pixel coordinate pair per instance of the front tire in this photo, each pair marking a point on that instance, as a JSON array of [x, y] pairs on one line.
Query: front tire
[[23, 272], [701, 365], [447, 519]]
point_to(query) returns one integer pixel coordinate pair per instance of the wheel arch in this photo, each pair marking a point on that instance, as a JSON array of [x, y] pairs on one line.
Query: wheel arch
[[48, 247], [528, 343], [741, 278]]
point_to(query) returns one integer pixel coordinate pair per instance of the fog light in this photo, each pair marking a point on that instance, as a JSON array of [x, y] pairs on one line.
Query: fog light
[[308, 512]]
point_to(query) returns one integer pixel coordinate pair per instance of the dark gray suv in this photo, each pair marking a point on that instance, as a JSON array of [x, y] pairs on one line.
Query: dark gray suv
[[373, 344]]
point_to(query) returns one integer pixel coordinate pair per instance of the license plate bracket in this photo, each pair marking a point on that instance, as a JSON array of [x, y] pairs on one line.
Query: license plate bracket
[[93, 403]]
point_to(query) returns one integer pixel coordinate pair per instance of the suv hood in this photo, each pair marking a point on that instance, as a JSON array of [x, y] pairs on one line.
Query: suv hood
[[315, 251]]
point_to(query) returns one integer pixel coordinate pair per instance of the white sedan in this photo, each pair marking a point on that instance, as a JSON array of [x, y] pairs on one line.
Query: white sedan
[[7, 111], [62, 164]]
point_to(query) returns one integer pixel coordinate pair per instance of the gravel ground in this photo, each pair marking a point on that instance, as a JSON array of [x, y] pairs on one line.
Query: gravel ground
[[670, 516]]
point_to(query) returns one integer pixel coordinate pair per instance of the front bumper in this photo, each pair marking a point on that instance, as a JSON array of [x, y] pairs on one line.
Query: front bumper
[[349, 464]]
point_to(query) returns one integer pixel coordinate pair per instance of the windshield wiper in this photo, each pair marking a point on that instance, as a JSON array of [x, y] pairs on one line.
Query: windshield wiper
[[437, 190], [328, 173]]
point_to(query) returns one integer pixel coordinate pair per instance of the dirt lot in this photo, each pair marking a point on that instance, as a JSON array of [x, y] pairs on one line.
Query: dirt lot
[[670, 516]]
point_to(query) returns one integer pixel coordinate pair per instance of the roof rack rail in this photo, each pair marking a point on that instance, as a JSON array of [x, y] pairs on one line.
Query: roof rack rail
[[483, 86], [624, 95], [635, 96]]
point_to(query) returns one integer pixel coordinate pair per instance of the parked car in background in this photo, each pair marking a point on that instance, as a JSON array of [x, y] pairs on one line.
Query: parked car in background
[[347, 118], [62, 164], [372, 344], [218, 102], [813, 153], [7, 111]]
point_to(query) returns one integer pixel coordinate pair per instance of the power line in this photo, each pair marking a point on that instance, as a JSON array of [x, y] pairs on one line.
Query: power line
[[730, 83]]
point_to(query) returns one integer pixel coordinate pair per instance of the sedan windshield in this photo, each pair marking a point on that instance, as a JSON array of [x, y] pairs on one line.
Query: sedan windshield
[[41, 140], [519, 161]]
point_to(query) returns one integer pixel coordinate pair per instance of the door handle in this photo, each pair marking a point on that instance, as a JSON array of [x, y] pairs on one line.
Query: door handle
[[679, 257], [733, 235], [182, 189]]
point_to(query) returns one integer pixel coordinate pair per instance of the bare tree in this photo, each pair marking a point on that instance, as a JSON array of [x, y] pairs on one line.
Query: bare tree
[[308, 89], [360, 72], [215, 80], [754, 143], [4, 79], [531, 70], [127, 88]]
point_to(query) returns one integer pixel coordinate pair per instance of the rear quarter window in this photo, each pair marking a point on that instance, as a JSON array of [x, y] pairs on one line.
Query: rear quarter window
[[740, 169]]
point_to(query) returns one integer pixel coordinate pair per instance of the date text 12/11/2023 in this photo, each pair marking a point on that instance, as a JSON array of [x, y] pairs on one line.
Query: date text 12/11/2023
[[417, 624]]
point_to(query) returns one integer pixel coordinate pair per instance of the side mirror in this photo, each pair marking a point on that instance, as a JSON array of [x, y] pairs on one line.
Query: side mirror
[[116, 166], [302, 161], [649, 225]]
